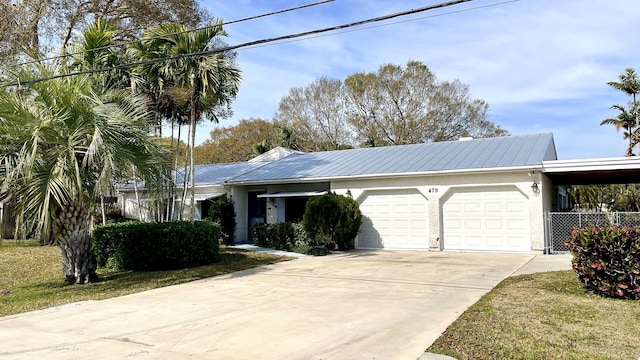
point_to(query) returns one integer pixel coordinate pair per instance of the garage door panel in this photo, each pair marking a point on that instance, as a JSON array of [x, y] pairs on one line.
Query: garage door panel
[[473, 224], [494, 207], [515, 224], [502, 224], [474, 241], [418, 209], [396, 219], [517, 241], [418, 224], [493, 224], [472, 207], [495, 241]]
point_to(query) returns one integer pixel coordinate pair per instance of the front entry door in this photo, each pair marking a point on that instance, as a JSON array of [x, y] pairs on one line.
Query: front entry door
[[257, 209]]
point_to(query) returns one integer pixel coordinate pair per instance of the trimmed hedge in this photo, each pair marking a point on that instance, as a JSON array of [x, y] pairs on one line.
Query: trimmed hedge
[[279, 236], [607, 260], [222, 212], [332, 220], [287, 236], [156, 246]]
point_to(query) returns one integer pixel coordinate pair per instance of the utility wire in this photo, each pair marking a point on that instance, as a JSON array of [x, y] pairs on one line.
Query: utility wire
[[123, 43], [247, 44], [387, 24]]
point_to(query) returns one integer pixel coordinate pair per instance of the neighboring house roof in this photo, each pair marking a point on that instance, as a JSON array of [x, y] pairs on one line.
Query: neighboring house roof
[[274, 154], [449, 156]]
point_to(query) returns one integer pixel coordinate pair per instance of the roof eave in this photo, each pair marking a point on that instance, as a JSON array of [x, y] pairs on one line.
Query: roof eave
[[596, 164], [377, 176]]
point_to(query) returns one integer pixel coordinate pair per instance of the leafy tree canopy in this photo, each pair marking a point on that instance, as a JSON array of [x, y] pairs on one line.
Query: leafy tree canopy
[[241, 142], [396, 105], [38, 27]]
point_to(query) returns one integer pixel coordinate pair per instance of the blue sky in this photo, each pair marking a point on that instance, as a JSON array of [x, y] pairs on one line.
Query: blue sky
[[542, 65]]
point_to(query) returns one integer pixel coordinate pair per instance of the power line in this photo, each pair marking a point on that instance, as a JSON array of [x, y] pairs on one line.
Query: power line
[[123, 43], [248, 44], [389, 24]]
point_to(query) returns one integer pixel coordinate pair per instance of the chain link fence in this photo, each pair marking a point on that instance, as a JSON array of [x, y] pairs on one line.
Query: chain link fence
[[559, 225]]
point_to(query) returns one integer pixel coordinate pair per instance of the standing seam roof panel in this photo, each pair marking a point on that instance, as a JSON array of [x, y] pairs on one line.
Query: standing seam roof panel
[[453, 155]]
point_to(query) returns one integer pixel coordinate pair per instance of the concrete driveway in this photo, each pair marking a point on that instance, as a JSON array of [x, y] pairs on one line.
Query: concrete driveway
[[356, 305]]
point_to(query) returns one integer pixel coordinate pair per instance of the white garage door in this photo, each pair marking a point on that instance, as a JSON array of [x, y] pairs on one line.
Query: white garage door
[[487, 220], [393, 219]]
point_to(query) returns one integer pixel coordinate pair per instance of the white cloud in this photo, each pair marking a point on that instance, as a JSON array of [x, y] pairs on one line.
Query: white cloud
[[541, 64]]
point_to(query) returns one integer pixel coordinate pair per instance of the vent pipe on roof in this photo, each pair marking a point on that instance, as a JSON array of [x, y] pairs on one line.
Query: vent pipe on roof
[[465, 138]]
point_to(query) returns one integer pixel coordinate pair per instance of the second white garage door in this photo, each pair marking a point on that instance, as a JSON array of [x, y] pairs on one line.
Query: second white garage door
[[393, 219], [492, 219]]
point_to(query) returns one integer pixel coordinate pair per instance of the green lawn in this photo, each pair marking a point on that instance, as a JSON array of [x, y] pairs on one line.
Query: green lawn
[[544, 316], [31, 276]]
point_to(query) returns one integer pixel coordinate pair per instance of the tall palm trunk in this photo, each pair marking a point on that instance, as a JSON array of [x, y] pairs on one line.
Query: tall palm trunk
[[632, 134], [175, 179], [71, 230], [192, 142], [185, 188]]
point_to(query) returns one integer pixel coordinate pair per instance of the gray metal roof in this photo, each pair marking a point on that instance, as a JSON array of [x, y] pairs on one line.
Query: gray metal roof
[[214, 174], [499, 152], [211, 174]]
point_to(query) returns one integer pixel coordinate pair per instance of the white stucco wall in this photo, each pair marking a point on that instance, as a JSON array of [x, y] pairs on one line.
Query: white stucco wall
[[129, 204]]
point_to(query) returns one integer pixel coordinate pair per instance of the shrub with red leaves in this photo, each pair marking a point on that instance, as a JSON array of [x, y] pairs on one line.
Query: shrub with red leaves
[[607, 260]]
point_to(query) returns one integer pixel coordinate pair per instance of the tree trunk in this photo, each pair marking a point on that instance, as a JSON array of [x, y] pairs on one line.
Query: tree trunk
[[71, 229], [192, 213], [185, 188], [103, 210], [135, 190]]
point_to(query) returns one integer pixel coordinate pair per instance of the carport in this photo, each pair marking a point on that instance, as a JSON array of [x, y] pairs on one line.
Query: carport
[[561, 173]]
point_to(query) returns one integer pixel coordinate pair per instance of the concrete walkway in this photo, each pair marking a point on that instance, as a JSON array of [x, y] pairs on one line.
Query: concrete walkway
[[355, 305]]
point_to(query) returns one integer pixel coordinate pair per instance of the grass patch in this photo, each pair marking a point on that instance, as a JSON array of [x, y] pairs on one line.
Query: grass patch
[[31, 276], [544, 316]]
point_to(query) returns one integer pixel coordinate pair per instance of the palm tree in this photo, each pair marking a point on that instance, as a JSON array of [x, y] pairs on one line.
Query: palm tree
[[60, 144], [630, 85], [96, 51], [202, 84], [625, 120]]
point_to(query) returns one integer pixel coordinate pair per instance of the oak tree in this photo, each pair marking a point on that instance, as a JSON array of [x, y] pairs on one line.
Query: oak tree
[[406, 105], [317, 114], [37, 27], [238, 142]]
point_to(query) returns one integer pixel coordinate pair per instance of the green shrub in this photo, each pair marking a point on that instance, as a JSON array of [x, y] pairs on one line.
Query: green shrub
[[259, 235], [607, 260], [288, 236], [156, 246], [279, 236], [332, 220], [222, 212]]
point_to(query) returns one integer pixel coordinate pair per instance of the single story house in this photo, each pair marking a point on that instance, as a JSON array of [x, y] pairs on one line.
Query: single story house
[[468, 195]]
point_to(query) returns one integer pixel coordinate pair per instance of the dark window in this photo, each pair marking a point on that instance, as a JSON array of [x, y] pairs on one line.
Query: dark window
[[294, 208], [257, 209]]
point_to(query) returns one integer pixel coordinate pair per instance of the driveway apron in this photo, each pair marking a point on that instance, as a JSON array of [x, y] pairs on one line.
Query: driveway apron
[[354, 305]]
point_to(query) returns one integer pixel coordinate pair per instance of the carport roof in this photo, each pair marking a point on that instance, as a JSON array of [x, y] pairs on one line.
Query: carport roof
[[621, 170], [449, 156]]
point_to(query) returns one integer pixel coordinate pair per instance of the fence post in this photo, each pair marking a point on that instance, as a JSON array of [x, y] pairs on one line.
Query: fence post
[[548, 233]]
